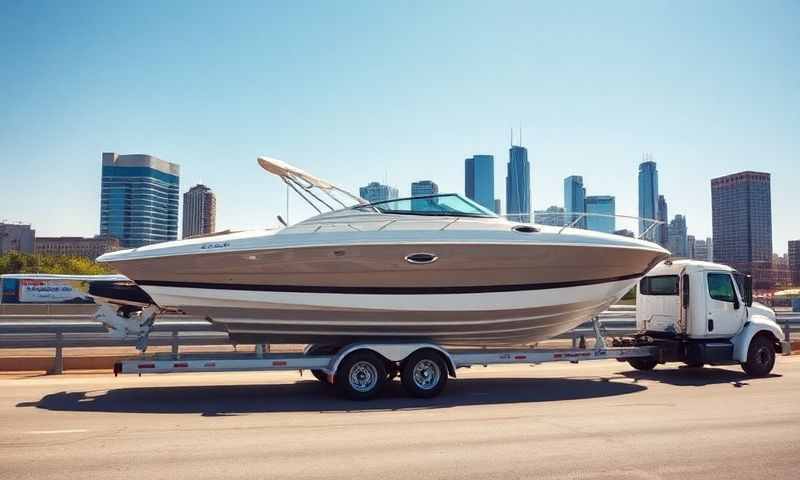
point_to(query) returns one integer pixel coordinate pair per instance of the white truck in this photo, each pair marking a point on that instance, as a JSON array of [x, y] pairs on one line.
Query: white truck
[[703, 313], [687, 311]]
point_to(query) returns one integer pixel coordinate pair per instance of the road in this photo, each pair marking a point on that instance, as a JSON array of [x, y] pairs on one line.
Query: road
[[594, 420]]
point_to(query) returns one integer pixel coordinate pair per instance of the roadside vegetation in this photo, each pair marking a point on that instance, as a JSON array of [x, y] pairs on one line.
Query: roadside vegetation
[[16, 262]]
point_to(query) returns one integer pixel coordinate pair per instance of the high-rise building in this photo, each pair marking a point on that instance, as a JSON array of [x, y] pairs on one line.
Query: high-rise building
[[690, 244], [648, 196], [479, 180], [139, 199], [794, 261], [701, 250], [663, 216], [16, 237], [678, 240], [199, 211], [518, 185], [376, 192], [498, 207], [710, 244], [741, 212], [604, 208], [554, 215], [422, 188], [90, 248], [575, 200]]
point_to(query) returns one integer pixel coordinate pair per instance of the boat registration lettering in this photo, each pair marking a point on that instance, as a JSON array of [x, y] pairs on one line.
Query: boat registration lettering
[[208, 246]]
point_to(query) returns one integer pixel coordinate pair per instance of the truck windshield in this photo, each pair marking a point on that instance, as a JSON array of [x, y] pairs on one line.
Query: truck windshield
[[659, 285]]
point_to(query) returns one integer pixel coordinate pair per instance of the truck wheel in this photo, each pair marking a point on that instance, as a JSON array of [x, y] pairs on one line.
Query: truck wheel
[[760, 357], [643, 363], [361, 375], [424, 374]]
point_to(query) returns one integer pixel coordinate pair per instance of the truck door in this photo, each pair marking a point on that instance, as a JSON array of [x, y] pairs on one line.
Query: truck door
[[726, 311]]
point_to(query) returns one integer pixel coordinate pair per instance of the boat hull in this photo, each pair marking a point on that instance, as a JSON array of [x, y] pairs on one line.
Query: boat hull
[[493, 318], [472, 294]]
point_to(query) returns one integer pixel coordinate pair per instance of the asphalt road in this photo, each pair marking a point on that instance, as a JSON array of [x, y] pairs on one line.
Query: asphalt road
[[594, 420]]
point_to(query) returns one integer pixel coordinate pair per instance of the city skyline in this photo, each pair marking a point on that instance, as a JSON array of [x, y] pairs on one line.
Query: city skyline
[[588, 104]]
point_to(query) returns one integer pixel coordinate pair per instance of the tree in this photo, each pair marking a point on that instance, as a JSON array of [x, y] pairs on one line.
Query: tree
[[16, 262]]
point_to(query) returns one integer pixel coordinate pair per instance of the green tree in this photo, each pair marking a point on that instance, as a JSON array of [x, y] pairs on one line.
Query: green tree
[[16, 262]]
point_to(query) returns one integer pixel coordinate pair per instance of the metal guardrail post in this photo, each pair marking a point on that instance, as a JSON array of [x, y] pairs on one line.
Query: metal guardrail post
[[58, 361], [175, 345], [787, 329]]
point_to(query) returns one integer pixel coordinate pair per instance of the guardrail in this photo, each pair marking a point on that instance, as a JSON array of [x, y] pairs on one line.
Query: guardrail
[[70, 329]]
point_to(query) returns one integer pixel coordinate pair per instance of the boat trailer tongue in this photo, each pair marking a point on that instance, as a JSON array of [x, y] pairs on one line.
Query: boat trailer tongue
[[127, 323]]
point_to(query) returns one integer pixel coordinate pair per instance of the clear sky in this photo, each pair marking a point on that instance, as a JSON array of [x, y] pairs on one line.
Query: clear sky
[[356, 92]]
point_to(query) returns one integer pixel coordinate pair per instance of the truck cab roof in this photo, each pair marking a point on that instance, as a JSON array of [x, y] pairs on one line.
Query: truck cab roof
[[674, 267]]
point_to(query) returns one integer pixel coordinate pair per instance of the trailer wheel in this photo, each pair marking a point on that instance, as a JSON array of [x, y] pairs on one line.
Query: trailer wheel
[[361, 375], [643, 363], [760, 357], [424, 374]]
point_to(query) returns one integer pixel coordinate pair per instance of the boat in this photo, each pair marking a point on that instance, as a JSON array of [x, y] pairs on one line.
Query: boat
[[438, 268]]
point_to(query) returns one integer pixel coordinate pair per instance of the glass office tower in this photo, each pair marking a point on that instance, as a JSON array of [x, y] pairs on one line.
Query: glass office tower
[[139, 199]]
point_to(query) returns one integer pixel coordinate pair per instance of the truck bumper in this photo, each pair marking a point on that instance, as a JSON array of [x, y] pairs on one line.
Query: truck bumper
[[786, 348]]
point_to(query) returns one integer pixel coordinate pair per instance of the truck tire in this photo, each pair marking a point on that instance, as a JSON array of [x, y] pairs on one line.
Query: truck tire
[[424, 374], [361, 375], [643, 363], [760, 357]]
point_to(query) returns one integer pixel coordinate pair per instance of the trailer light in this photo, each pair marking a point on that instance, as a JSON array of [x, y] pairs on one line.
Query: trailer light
[[147, 365]]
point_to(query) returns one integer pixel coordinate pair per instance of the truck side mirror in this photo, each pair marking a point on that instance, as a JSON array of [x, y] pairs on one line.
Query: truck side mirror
[[748, 290], [685, 291]]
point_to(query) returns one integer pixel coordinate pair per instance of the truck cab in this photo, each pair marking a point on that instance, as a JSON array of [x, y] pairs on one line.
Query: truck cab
[[703, 313]]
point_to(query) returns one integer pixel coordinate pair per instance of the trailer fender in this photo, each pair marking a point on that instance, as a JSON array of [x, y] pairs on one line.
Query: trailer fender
[[394, 352], [756, 325]]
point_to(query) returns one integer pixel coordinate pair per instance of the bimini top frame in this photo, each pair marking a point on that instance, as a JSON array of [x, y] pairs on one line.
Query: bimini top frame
[[304, 184]]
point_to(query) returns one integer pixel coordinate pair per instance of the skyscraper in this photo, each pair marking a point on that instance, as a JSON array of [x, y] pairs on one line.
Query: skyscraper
[[479, 180], [139, 199], [690, 246], [498, 207], [199, 211], [376, 192], [678, 240], [648, 196], [794, 261], [420, 188], [574, 200], [701, 250], [663, 216], [741, 212], [518, 185], [602, 205]]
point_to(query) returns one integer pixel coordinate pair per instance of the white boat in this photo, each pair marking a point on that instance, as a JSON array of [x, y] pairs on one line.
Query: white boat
[[438, 268]]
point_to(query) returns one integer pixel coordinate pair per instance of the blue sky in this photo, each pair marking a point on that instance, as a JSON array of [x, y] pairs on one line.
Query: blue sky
[[356, 92]]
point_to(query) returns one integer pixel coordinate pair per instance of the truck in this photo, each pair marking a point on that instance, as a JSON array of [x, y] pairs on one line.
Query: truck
[[687, 311], [702, 313]]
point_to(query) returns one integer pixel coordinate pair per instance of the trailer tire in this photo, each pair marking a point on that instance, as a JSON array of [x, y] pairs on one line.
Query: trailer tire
[[760, 356], [361, 375], [424, 374], [644, 364]]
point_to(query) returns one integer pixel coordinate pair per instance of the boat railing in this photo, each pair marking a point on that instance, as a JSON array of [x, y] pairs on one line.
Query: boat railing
[[563, 221]]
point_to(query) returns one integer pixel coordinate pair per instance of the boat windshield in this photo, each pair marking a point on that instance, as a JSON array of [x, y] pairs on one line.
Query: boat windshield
[[448, 204]]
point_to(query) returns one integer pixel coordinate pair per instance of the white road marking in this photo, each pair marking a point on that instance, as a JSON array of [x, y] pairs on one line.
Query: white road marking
[[56, 432]]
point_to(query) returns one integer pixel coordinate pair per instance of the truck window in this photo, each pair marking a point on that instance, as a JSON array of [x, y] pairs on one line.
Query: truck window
[[720, 287], [659, 285]]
